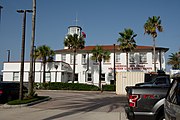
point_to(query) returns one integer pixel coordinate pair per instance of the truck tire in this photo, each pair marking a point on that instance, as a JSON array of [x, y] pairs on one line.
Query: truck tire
[[160, 115]]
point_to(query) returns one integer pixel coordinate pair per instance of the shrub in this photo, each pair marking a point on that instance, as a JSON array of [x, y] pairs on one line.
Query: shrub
[[109, 88], [67, 86]]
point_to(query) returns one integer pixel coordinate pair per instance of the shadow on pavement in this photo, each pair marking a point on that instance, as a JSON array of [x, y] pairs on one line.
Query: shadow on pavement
[[104, 104]]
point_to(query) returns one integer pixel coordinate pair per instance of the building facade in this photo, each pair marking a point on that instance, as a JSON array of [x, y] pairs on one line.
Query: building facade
[[87, 70]]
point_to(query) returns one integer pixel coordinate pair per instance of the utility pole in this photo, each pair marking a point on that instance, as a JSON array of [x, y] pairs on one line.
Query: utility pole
[[22, 52], [8, 56], [0, 12], [114, 64], [31, 76]]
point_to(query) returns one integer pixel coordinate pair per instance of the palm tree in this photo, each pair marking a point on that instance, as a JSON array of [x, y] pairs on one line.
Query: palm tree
[[98, 55], [174, 60], [45, 54], [127, 42], [151, 27], [30, 84], [74, 42]]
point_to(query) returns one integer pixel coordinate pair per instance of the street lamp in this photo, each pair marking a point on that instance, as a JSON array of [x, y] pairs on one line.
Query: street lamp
[[22, 52]]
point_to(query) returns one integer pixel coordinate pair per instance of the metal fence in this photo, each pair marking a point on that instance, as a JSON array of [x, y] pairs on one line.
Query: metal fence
[[127, 79]]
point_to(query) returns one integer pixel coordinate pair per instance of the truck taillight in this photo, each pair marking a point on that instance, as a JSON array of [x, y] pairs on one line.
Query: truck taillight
[[1, 91], [133, 100]]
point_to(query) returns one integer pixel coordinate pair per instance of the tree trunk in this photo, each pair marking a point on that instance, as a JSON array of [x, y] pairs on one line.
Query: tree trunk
[[44, 72], [22, 57], [74, 66], [31, 77], [100, 70], [127, 61], [154, 53]]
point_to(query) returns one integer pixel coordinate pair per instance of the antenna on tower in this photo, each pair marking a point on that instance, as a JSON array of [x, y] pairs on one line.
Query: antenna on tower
[[76, 20]]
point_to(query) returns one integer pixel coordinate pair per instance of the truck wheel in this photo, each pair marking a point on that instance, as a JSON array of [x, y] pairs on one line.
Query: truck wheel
[[161, 118], [160, 115]]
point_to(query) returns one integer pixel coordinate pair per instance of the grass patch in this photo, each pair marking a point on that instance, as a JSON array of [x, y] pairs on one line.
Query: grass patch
[[26, 101]]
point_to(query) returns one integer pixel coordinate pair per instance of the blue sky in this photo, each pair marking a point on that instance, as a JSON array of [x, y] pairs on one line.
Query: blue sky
[[101, 20]]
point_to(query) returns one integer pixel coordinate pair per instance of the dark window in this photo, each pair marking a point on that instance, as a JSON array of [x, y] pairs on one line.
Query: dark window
[[76, 77], [102, 77], [89, 77]]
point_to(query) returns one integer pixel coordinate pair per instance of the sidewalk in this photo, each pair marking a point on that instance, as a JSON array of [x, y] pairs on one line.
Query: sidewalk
[[28, 113], [70, 105]]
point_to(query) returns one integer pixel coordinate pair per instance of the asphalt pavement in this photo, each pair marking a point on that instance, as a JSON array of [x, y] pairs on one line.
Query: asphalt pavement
[[71, 105]]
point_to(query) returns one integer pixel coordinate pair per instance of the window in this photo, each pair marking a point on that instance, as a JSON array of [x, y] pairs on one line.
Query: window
[[84, 60], [110, 74], [131, 57], [76, 77], [153, 57], [72, 30], [63, 57], [107, 61], [15, 76], [48, 76], [143, 57], [118, 57], [72, 59], [103, 77], [89, 78]]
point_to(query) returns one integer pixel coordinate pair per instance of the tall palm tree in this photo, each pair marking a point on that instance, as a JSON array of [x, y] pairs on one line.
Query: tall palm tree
[[174, 60], [151, 27], [127, 42], [98, 55], [45, 54], [74, 42], [31, 79]]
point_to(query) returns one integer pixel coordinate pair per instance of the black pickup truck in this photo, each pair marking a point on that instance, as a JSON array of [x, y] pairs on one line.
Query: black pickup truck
[[146, 102]]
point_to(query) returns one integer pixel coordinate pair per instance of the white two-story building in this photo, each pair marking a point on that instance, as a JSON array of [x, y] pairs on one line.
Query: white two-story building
[[141, 59]]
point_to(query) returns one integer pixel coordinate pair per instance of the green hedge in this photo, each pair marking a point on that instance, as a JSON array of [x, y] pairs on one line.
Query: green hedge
[[109, 88], [66, 86]]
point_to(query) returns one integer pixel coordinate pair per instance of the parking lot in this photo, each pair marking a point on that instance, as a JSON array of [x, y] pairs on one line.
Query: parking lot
[[71, 105]]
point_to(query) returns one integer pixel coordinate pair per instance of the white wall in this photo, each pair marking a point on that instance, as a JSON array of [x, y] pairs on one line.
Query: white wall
[[10, 68]]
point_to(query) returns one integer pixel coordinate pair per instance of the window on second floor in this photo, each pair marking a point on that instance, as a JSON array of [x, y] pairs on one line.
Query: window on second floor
[[63, 57], [107, 60], [131, 57], [118, 57], [72, 59], [143, 57], [153, 57], [84, 59]]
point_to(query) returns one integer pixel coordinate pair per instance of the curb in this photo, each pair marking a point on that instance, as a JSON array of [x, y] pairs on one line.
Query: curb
[[24, 105], [79, 91]]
